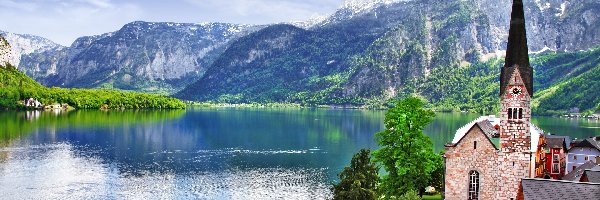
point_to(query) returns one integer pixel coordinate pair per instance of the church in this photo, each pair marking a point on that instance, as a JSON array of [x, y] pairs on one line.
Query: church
[[490, 156], [495, 157]]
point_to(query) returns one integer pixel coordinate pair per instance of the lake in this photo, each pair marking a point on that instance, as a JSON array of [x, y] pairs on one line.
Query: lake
[[199, 153]]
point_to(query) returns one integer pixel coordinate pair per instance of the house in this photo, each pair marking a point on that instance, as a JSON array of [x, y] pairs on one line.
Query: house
[[582, 152], [488, 158], [551, 156], [541, 168], [34, 103]]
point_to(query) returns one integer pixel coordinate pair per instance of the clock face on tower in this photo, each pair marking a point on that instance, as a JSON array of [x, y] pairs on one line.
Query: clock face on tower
[[516, 92]]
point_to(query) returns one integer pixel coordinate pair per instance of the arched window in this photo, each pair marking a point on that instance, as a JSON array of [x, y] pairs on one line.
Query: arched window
[[515, 113], [520, 113], [510, 114], [473, 185]]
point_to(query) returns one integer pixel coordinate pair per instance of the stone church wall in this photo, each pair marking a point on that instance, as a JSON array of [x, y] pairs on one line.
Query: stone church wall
[[463, 158], [511, 169]]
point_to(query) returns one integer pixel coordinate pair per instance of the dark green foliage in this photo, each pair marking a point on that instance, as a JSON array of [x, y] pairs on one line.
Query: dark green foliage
[[582, 92], [15, 87], [474, 87], [552, 68], [471, 88], [407, 154], [359, 180]]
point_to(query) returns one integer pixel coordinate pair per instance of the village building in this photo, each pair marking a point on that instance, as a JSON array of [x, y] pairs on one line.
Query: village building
[[34, 103], [582, 152], [551, 156]]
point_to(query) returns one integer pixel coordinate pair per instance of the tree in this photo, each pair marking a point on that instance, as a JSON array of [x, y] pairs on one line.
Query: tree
[[410, 195], [406, 154], [359, 180]]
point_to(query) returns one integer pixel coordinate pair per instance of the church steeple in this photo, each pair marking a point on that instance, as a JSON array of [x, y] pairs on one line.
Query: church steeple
[[517, 51]]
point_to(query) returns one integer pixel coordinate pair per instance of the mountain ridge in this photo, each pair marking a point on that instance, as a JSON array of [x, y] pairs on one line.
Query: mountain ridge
[[367, 52]]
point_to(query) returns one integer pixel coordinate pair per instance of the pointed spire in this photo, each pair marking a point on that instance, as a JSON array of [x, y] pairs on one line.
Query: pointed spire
[[517, 51]]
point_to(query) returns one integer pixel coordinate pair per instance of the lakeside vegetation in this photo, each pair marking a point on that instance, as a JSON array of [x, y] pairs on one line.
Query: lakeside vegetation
[[406, 155], [15, 87]]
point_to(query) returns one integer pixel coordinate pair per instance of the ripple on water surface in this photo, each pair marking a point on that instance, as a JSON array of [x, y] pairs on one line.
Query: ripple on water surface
[[58, 171]]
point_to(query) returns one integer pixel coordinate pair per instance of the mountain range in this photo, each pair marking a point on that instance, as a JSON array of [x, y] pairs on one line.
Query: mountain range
[[366, 53]]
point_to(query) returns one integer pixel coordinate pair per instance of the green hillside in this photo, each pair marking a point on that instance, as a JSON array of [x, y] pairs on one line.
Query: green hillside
[[563, 81], [16, 86], [577, 86]]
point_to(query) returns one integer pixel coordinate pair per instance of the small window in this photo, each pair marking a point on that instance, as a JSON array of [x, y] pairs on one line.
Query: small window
[[555, 168], [474, 144], [585, 158], [510, 114], [515, 113], [574, 157], [520, 113], [473, 185], [573, 167], [555, 158]]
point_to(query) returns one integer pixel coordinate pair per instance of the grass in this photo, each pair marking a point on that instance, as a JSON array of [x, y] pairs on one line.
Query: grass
[[432, 197]]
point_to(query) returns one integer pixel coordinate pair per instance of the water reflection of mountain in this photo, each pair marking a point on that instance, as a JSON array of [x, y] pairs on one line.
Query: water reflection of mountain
[[22, 123], [216, 140]]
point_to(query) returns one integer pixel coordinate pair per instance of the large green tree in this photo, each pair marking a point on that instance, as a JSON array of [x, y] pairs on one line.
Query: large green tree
[[406, 154], [359, 180]]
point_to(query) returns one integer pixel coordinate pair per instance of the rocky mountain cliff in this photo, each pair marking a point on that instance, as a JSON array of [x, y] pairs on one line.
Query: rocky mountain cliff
[[145, 56], [373, 49], [22, 44], [5, 52]]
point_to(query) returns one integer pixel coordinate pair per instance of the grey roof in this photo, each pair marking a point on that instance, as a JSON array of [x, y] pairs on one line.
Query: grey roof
[[576, 174], [543, 189], [553, 142], [566, 138], [593, 176], [589, 142], [487, 128]]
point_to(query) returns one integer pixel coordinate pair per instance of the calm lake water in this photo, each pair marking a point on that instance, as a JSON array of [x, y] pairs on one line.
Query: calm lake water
[[199, 153]]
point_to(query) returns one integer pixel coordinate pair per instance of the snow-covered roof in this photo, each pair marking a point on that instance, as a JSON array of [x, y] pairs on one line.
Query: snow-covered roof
[[534, 130]]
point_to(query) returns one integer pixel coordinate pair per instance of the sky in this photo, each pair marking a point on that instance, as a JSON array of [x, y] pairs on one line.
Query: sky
[[63, 21]]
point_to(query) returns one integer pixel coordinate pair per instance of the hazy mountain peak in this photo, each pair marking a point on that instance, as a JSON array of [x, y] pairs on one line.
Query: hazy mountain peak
[[25, 44], [358, 6], [5, 51]]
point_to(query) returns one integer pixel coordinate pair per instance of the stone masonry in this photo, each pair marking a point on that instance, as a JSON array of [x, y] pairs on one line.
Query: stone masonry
[[515, 140], [464, 158]]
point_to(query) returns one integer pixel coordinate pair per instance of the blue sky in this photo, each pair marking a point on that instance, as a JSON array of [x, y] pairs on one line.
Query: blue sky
[[64, 20]]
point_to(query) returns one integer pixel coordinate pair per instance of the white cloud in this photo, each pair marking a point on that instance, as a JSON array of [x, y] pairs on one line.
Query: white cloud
[[99, 3], [265, 11], [10, 4], [65, 20]]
